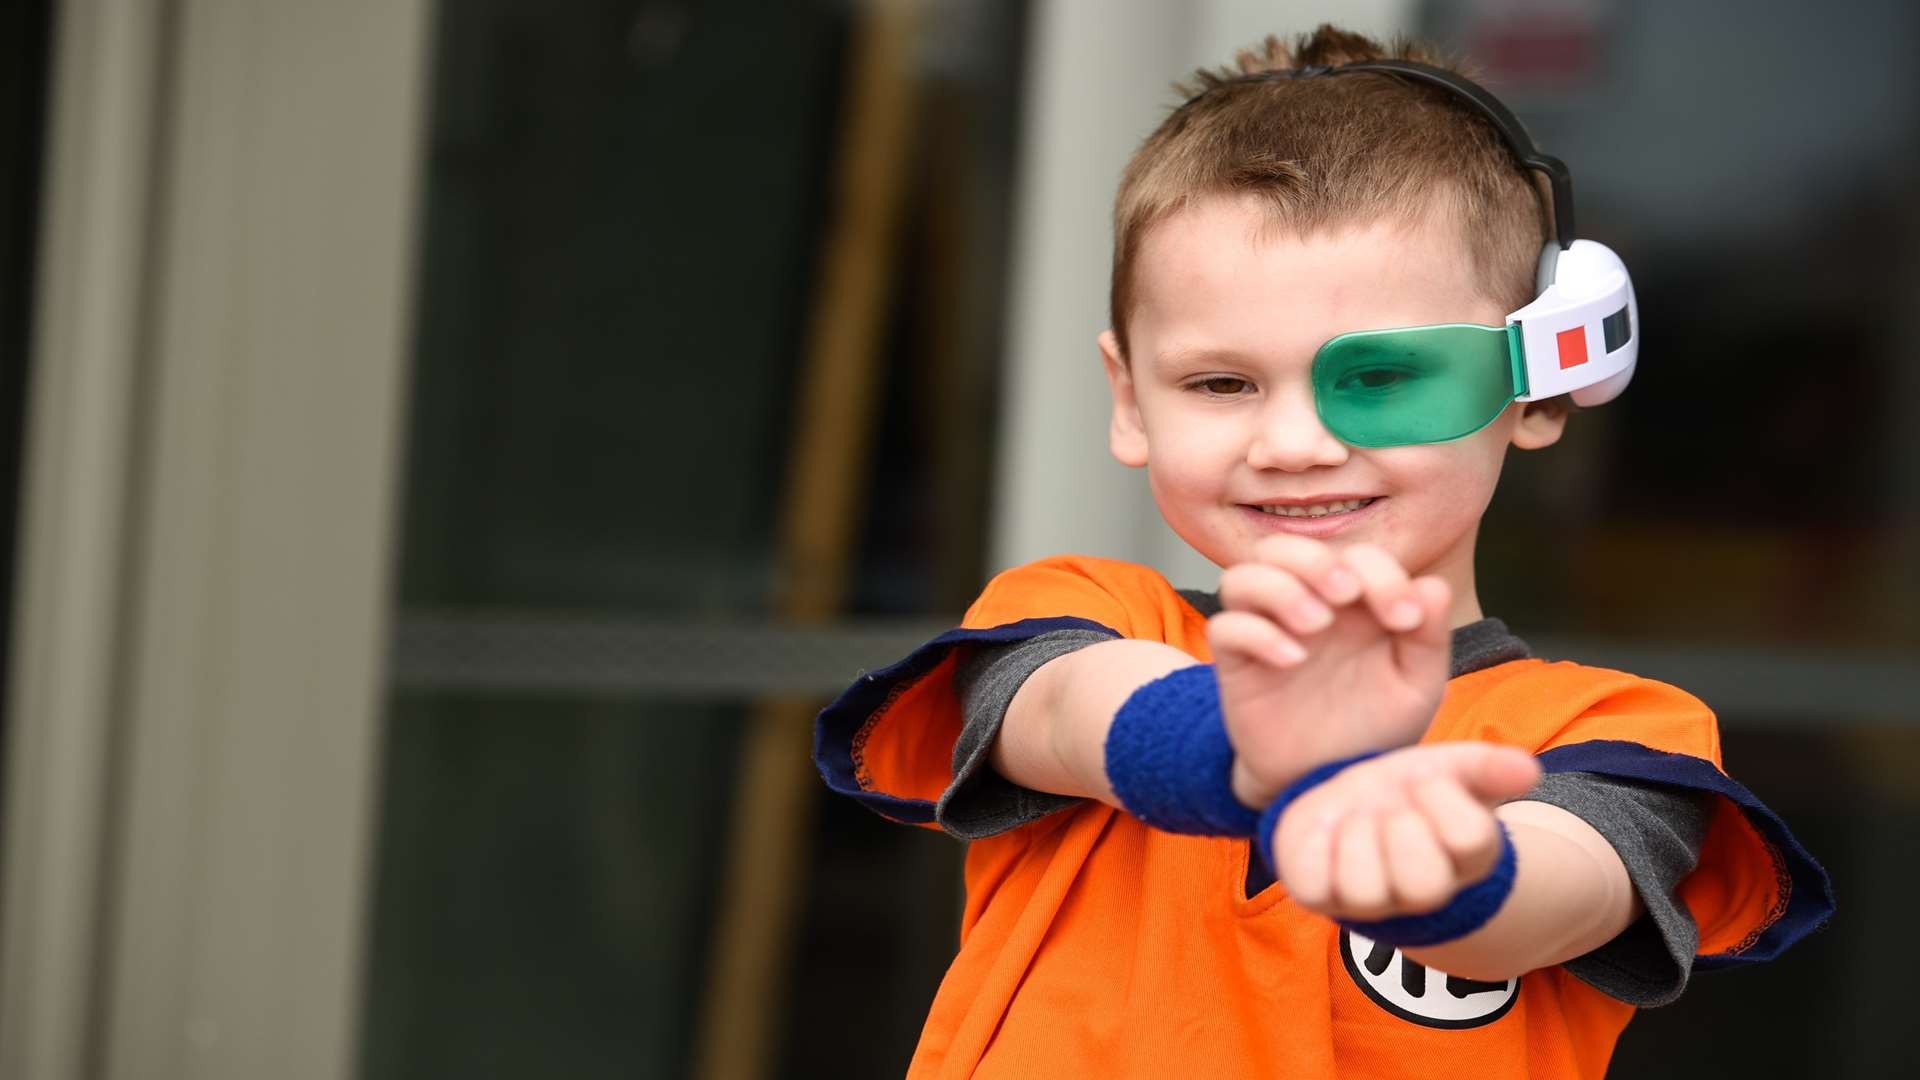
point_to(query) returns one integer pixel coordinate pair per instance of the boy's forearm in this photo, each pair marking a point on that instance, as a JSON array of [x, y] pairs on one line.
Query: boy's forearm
[[1571, 895], [1054, 735]]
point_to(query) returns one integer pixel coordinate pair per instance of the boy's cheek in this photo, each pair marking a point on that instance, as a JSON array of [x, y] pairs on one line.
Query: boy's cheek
[[1193, 453], [1465, 470], [1190, 477], [1172, 487]]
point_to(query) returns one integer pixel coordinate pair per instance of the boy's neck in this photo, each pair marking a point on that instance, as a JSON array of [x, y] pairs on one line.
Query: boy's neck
[[1465, 609]]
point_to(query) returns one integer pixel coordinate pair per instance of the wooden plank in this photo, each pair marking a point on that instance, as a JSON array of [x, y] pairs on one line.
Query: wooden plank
[[772, 813]]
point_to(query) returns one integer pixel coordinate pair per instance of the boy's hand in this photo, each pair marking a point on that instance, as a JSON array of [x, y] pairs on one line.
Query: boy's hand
[[1399, 834], [1323, 655]]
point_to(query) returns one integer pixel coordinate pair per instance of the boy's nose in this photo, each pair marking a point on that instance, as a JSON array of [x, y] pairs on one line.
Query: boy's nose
[[1290, 437]]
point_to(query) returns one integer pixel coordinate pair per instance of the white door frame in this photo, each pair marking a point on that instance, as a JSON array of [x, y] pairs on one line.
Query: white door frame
[[219, 358]]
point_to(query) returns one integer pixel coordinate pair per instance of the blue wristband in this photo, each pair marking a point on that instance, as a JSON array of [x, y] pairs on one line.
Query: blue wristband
[[1469, 909], [1169, 759]]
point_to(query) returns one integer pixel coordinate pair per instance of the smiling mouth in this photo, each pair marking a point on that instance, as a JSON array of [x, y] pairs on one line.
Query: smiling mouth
[[1317, 510]]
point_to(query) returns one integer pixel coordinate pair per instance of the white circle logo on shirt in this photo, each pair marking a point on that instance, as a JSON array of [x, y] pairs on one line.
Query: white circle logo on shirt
[[1419, 993]]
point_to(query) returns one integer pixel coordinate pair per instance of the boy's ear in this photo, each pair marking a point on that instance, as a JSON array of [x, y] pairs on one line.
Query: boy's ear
[[1126, 436], [1540, 423]]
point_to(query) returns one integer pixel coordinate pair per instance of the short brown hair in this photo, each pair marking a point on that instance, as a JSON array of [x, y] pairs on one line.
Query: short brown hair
[[1326, 152]]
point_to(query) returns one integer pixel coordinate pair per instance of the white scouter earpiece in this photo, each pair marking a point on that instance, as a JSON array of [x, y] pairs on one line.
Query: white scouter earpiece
[[1581, 335]]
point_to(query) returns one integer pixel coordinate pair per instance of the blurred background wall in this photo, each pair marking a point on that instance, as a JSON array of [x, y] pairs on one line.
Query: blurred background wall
[[463, 443]]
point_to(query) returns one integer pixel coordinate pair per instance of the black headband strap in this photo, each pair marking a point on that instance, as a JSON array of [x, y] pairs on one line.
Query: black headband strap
[[1484, 102]]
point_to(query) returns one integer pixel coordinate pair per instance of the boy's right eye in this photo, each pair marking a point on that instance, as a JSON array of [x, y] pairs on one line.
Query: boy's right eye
[[1374, 379], [1220, 386]]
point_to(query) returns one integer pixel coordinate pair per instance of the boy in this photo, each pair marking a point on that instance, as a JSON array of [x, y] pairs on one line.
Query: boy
[[1330, 820]]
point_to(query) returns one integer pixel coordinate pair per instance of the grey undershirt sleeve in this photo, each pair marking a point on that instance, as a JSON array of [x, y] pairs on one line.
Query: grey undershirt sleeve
[[979, 802], [1657, 831]]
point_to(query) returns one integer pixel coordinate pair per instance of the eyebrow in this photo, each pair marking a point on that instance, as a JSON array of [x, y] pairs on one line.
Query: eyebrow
[[1201, 357]]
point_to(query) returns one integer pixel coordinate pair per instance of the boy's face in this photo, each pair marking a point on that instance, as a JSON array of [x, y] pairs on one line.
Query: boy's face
[[1217, 403]]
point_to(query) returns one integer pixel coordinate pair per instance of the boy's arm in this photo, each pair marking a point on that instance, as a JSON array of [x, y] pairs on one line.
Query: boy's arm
[[1054, 736]]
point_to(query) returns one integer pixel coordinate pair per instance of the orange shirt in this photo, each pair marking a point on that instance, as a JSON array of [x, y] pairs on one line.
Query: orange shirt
[[1093, 945]]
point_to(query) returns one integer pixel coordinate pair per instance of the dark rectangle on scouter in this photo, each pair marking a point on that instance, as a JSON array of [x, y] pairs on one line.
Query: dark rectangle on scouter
[[1616, 328]]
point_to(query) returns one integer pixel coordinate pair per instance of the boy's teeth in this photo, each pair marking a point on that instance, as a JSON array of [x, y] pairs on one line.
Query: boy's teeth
[[1318, 509]]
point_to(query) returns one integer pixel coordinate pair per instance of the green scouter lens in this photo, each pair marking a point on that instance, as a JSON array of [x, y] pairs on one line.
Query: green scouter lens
[[1419, 384]]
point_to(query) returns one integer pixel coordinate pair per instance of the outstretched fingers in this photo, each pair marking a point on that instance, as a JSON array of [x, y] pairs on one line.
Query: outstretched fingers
[[1276, 593], [1385, 588], [1314, 563], [1426, 652], [1413, 611], [1251, 638]]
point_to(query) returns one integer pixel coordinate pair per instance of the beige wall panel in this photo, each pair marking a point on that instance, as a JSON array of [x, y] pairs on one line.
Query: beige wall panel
[[225, 485], [69, 599]]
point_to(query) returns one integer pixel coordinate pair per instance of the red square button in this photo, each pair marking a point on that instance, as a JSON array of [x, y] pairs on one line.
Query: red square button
[[1573, 347]]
